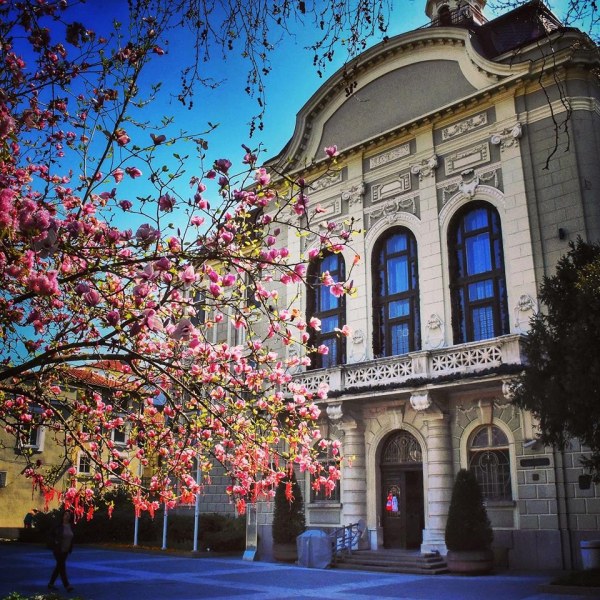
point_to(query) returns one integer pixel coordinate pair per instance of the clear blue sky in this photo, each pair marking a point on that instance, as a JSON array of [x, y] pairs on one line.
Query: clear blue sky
[[290, 84]]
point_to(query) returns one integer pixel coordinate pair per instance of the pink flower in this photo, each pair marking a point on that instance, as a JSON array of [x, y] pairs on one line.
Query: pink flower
[[197, 221], [157, 139], [125, 204], [122, 137], [331, 151], [215, 289], [228, 280], [337, 290], [147, 234], [118, 174], [262, 177], [133, 172], [222, 165], [183, 330], [113, 317], [188, 275], [166, 203], [92, 298], [313, 253], [315, 323], [323, 349], [345, 331]]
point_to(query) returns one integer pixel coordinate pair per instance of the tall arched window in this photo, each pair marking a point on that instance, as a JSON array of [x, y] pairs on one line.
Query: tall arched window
[[396, 326], [477, 281], [489, 461], [331, 310]]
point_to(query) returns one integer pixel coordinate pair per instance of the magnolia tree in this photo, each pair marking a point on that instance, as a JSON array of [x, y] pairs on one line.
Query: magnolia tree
[[96, 278]]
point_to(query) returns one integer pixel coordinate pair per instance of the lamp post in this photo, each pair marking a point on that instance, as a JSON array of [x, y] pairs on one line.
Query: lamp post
[[197, 506]]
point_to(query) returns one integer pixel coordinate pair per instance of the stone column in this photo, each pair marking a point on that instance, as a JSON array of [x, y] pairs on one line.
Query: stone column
[[439, 484], [354, 474]]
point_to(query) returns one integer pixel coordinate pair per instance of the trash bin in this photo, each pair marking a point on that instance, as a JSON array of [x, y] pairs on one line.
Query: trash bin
[[590, 554], [314, 549]]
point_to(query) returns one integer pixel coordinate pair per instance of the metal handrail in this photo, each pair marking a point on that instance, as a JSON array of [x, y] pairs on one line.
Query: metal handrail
[[344, 539]]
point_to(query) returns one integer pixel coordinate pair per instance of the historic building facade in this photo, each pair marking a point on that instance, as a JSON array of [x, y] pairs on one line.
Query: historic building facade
[[468, 158]]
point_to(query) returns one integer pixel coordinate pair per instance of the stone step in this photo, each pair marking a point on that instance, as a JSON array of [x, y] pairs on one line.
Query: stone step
[[392, 563]]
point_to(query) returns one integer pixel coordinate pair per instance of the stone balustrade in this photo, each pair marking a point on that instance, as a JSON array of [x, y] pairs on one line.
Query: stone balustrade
[[423, 365]]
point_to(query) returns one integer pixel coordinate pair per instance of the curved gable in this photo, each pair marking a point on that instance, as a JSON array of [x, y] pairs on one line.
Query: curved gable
[[395, 98], [397, 83]]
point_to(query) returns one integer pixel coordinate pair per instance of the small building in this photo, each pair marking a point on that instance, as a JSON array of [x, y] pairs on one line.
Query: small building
[[468, 159]]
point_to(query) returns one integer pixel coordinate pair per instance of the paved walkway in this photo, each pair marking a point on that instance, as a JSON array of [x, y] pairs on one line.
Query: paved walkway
[[99, 574]]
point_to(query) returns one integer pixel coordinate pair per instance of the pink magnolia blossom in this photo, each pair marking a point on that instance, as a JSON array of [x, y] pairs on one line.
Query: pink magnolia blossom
[[331, 151], [346, 331], [315, 323], [133, 172], [188, 275], [92, 298], [118, 175], [166, 203], [337, 290]]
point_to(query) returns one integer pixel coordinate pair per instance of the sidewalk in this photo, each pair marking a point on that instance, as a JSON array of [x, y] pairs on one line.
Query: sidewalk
[[99, 574]]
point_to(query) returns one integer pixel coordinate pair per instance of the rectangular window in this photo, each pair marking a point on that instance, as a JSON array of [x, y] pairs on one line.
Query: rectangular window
[[32, 438], [481, 290], [119, 436], [84, 465], [2, 479]]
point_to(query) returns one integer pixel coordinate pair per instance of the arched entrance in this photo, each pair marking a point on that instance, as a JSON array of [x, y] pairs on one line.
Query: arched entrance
[[402, 511]]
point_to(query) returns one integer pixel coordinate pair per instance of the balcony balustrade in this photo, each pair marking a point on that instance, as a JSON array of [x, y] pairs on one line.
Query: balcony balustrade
[[464, 359]]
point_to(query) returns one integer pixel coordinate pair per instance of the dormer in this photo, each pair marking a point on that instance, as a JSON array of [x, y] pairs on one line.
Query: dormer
[[455, 13]]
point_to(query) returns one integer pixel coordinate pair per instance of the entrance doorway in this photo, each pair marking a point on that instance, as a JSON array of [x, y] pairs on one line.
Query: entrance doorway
[[402, 511]]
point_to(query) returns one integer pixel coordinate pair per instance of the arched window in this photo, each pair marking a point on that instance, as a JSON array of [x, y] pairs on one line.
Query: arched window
[[477, 282], [489, 461], [331, 310], [396, 326]]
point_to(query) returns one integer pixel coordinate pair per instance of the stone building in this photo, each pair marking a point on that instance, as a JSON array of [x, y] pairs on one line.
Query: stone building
[[468, 156]]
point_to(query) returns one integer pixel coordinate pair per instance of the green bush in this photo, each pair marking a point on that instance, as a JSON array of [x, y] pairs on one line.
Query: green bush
[[220, 533], [288, 517], [468, 526]]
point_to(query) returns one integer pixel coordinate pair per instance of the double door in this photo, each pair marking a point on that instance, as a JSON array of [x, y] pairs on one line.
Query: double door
[[403, 517]]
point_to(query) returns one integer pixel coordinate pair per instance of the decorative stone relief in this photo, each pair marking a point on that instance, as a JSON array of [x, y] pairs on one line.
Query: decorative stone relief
[[331, 208], [355, 194], [335, 411], [525, 309], [461, 127], [425, 168], [325, 181], [459, 161], [358, 350], [435, 332], [420, 401], [508, 389], [400, 185], [470, 180], [507, 137], [484, 409], [389, 156], [394, 209]]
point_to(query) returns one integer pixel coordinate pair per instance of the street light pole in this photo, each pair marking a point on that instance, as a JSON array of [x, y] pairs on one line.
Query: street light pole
[[197, 506]]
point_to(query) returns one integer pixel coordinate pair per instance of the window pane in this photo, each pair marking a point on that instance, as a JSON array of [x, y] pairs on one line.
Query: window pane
[[499, 437], [483, 323], [399, 308], [327, 301], [476, 219], [328, 324], [397, 243], [397, 274], [481, 290], [481, 439], [329, 360], [492, 471], [400, 338], [479, 259]]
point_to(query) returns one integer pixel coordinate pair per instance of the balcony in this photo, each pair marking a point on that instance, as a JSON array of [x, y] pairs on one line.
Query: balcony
[[427, 365]]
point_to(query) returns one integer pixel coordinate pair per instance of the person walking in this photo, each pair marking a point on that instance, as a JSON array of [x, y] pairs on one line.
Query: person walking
[[62, 546]]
